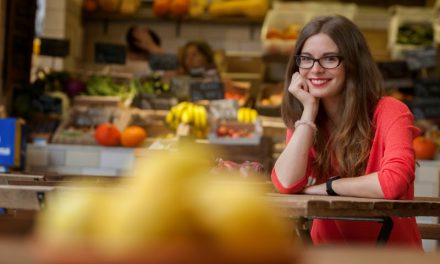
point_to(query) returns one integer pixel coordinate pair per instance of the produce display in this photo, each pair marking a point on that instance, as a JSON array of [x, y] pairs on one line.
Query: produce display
[[424, 148], [233, 124], [290, 32], [190, 114], [107, 134], [245, 169], [246, 115], [112, 6], [198, 8], [249, 8], [415, 34], [174, 8], [133, 136], [172, 210], [234, 130], [106, 86]]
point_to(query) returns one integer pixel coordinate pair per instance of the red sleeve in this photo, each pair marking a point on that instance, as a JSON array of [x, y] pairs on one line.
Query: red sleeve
[[297, 186], [397, 166]]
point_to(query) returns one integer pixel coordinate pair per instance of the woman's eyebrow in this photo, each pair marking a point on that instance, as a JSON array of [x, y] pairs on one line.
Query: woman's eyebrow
[[330, 53], [323, 55]]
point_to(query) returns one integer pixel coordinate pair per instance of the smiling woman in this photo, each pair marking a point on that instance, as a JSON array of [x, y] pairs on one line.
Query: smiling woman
[[344, 136]]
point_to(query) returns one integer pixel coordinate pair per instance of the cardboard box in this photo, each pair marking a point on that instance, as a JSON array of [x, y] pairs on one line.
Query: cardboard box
[[12, 143]]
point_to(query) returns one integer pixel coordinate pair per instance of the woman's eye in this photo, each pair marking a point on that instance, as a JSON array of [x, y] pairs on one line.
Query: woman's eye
[[331, 59]]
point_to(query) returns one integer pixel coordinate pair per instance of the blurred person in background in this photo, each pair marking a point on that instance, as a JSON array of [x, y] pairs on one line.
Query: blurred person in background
[[197, 60], [343, 136], [141, 42]]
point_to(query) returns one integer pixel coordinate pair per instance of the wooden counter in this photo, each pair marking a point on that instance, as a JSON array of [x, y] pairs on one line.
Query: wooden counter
[[17, 251]]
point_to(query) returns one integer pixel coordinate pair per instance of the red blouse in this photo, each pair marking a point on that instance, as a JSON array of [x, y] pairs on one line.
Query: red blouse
[[392, 157]]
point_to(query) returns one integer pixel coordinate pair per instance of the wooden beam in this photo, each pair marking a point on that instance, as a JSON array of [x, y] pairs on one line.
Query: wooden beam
[[430, 231]]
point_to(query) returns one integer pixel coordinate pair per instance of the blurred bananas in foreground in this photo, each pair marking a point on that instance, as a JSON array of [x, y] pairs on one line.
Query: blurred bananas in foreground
[[190, 114], [246, 115], [172, 199]]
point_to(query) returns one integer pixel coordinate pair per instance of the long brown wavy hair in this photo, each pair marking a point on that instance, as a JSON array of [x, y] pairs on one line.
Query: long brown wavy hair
[[349, 142]]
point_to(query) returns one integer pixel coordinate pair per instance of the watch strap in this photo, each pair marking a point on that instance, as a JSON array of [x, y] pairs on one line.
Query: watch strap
[[329, 182]]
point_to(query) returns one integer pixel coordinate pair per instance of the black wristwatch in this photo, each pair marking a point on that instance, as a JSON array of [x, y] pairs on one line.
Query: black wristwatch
[[330, 190]]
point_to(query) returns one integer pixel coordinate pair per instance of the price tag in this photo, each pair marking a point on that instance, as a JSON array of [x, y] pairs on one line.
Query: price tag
[[200, 90]]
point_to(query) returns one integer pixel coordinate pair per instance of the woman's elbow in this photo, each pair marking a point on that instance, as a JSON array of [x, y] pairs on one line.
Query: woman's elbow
[[396, 186]]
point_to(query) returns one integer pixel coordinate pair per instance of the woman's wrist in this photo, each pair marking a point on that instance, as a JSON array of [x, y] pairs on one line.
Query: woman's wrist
[[306, 123], [309, 113]]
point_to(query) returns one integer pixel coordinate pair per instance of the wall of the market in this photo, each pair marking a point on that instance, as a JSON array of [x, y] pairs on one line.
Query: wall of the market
[[63, 21], [2, 44], [236, 38]]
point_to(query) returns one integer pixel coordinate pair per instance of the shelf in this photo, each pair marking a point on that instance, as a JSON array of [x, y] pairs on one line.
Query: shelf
[[146, 14]]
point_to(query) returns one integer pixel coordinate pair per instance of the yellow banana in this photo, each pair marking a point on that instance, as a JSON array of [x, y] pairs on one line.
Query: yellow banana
[[198, 7], [197, 116], [169, 118], [254, 115], [248, 115], [179, 109], [203, 117], [243, 114], [240, 114], [190, 110], [185, 118]]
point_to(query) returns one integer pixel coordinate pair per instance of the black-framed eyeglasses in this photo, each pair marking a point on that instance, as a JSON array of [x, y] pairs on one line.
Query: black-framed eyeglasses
[[326, 62]]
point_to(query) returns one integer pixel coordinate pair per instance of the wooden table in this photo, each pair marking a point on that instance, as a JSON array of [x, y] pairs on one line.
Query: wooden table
[[298, 207], [17, 251], [305, 207]]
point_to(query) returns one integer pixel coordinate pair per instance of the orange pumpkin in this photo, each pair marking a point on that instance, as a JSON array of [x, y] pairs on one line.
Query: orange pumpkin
[[133, 136], [180, 8], [161, 7], [107, 134], [424, 148]]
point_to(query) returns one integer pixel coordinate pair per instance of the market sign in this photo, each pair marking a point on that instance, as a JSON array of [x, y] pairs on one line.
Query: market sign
[[163, 61], [54, 47], [421, 58], [203, 90], [110, 53]]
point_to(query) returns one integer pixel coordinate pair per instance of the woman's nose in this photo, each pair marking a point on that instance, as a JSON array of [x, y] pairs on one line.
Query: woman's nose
[[317, 67]]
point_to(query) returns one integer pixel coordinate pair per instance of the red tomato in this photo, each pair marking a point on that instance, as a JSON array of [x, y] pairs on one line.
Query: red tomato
[[107, 134]]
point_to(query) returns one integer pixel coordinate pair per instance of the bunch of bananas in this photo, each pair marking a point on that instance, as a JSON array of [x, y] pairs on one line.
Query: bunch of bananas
[[247, 115], [190, 114]]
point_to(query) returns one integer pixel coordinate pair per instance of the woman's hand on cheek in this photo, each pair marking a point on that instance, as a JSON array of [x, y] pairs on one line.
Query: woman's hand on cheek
[[319, 189], [298, 88]]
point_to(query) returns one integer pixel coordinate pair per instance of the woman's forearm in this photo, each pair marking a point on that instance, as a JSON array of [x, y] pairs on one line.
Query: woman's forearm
[[291, 165], [367, 186]]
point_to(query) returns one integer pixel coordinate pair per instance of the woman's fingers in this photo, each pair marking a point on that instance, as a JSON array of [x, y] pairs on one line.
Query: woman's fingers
[[298, 85]]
